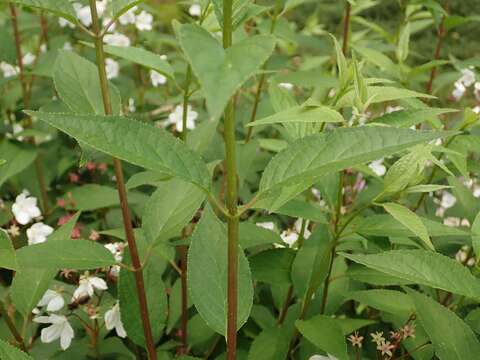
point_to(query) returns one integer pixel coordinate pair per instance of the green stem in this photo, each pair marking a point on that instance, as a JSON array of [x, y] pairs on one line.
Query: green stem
[[127, 221], [13, 329], [346, 27], [231, 198]]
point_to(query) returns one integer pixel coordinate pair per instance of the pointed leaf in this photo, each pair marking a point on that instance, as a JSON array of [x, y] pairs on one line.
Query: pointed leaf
[[410, 220], [303, 163], [8, 259], [61, 8], [9, 352], [221, 72], [423, 267], [64, 232], [134, 142], [17, 157], [207, 274], [452, 338], [270, 344], [410, 117]]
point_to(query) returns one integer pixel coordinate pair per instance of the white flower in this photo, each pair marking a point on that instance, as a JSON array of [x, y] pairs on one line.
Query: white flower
[[285, 85], [52, 299], [321, 357], [115, 270], [477, 90], [28, 59], [112, 68], [176, 118], [101, 7], [117, 39], [60, 328], [468, 77], [289, 237], [378, 167], [116, 249], [157, 79], [83, 14], [16, 129], [298, 228], [266, 225], [87, 285], [67, 46], [476, 109], [131, 105], [25, 208], [64, 22], [391, 109], [9, 70], [144, 21], [163, 57], [113, 320], [459, 90], [448, 200], [38, 233], [195, 10], [128, 17]]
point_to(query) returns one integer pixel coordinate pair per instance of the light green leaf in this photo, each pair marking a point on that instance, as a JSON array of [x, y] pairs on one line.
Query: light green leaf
[[342, 65], [8, 259], [403, 44], [379, 94], [119, 7], [392, 301], [221, 72], [302, 114], [423, 267], [17, 156], [410, 220], [272, 266], [251, 235], [452, 338], [410, 117], [312, 262], [207, 274], [270, 344], [141, 178], [304, 162], [156, 301], [60, 8], [297, 208], [476, 235], [135, 142], [426, 188], [141, 57], [64, 232], [326, 334], [78, 85], [28, 287], [8, 352], [70, 254], [170, 208]]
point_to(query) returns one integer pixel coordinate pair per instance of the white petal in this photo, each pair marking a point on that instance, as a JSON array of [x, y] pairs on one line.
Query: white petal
[[56, 303], [66, 336], [51, 333], [98, 283]]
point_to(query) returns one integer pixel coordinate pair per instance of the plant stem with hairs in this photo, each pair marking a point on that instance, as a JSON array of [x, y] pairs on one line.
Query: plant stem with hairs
[[26, 103], [231, 199], [127, 221]]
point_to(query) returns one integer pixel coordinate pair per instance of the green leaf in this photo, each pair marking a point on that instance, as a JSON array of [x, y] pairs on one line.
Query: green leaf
[[423, 267], [312, 262], [17, 156], [302, 114], [78, 85], [410, 220], [156, 301], [251, 235], [76, 254], [28, 287], [64, 232], [119, 7], [304, 162], [141, 57], [93, 196], [270, 344], [392, 301], [170, 208], [135, 142], [403, 42], [452, 338], [408, 118], [385, 225], [60, 8], [297, 208], [476, 235], [8, 259], [207, 274], [379, 94], [141, 178], [272, 266], [326, 334], [221, 72], [342, 65], [8, 352]]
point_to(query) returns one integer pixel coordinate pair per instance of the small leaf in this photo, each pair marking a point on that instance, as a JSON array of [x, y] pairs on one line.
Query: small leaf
[[410, 220], [170, 208], [403, 43], [60, 8], [17, 156], [207, 274], [135, 142], [326, 334], [78, 85], [452, 338], [8, 352], [120, 7], [221, 72], [76, 254], [270, 344], [8, 259], [423, 267]]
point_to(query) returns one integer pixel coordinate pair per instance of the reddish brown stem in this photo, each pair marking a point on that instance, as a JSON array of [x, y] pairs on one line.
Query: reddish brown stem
[[346, 27], [122, 194], [183, 250], [286, 304], [11, 326]]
